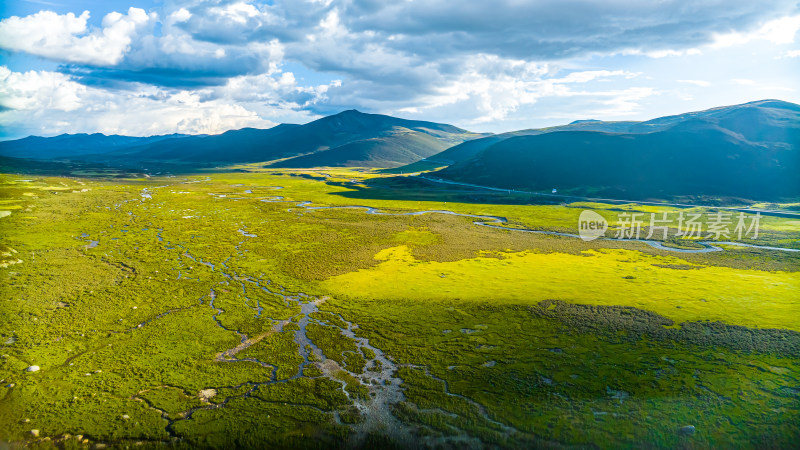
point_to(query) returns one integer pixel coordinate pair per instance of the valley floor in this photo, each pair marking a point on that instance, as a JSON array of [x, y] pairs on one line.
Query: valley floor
[[338, 308]]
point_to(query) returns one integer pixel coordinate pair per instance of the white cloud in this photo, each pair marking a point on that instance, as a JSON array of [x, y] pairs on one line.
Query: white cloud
[[511, 84], [179, 16], [663, 53], [620, 103], [192, 48], [779, 31], [494, 86], [701, 83], [481, 62], [68, 38], [238, 13], [40, 91], [228, 22], [58, 104], [590, 75]]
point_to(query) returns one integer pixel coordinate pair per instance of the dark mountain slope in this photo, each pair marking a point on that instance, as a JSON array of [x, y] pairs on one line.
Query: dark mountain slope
[[468, 149], [70, 145], [245, 145], [283, 141], [763, 120], [373, 140], [759, 121], [694, 156], [396, 142], [401, 146]]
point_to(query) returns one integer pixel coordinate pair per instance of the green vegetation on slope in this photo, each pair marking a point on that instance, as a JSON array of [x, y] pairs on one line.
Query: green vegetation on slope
[[748, 151], [212, 311]]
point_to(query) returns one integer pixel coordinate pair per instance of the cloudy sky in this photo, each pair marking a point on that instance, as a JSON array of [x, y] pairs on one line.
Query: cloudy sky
[[144, 67]]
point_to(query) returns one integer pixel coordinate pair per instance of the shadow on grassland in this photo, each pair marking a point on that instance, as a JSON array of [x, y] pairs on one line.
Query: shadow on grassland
[[417, 189]]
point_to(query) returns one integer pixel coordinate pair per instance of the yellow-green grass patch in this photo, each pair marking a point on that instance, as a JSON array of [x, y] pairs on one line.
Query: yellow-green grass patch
[[749, 298]]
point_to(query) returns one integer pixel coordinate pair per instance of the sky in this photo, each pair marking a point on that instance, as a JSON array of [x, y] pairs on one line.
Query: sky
[[206, 66]]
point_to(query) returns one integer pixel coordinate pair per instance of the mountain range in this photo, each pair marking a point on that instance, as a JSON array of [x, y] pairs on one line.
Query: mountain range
[[70, 146], [750, 150], [350, 138]]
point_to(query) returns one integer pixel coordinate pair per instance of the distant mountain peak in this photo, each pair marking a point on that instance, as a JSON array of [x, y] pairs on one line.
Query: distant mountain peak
[[586, 121], [350, 112], [773, 103]]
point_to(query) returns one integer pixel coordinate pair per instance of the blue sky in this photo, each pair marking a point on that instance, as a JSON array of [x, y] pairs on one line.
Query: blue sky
[[206, 66]]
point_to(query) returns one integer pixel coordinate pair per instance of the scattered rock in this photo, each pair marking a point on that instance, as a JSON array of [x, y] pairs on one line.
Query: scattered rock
[[688, 430], [489, 364], [126, 417], [35, 433], [206, 394], [32, 369], [619, 395]]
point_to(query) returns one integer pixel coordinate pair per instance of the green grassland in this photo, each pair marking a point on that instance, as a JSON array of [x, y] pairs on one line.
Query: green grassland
[[214, 310]]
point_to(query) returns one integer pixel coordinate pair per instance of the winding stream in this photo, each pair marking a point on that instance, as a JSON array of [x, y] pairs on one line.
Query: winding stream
[[496, 221], [379, 377], [379, 374]]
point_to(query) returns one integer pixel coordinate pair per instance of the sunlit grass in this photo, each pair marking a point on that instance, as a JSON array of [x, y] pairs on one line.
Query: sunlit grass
[[125, 328], [686, 292]]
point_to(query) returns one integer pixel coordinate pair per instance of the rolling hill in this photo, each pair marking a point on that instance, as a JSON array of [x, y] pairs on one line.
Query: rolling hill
[[72, 145], [757, 121], [750, 151], [374, 140], [348, 138], [402, 141], [397, 148], [468, 149]]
